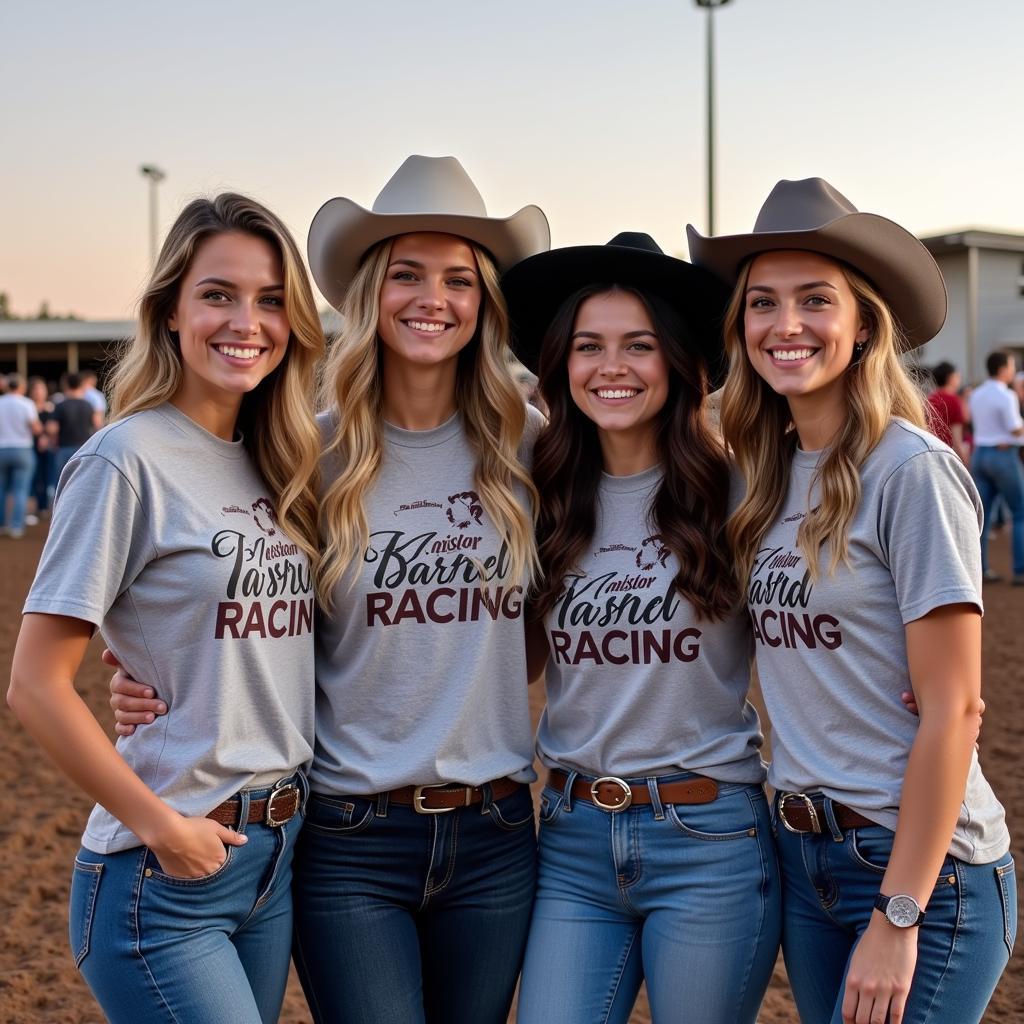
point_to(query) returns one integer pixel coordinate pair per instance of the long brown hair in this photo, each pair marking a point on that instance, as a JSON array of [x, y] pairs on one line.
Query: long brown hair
[[276, 417], [691, 504], [759, 429]]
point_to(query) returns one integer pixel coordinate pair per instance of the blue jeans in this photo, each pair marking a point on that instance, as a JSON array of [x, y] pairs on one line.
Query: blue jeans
[[44, 481], [16, 468], [402, 918], [156, 948], [830, 881], [999, 473], [685, 896]]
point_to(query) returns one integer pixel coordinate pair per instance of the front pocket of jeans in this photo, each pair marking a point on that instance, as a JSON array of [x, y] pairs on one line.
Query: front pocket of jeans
[[84, 886], [694, 825], [871, 847], [337, 816], [550, 805], [509, 817], [1004, 873], [154, 870]]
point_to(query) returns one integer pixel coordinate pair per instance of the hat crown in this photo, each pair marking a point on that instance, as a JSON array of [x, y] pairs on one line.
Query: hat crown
[[636, 240], [431, 185], [802, 206]]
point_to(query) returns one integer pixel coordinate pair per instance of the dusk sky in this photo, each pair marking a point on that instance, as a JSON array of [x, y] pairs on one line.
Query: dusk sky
[[593, 109]]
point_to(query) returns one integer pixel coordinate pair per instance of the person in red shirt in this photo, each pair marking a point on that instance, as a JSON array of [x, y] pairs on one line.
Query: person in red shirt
[[945, 409]]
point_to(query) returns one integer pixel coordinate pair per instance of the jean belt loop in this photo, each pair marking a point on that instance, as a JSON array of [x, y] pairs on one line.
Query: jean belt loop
[[303, 783], [830, 818], [243, 811], [570, 778], [487, 798], [652, 788], [382, 804]]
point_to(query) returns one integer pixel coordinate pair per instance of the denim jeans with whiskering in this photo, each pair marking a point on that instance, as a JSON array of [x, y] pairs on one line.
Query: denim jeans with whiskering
[[830, 881], [405, 918], [685, 896], [167, 950]]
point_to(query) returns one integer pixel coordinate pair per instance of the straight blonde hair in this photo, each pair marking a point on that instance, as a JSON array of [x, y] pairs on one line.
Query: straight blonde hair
[[276, 418], [758, 427], [492, 410]]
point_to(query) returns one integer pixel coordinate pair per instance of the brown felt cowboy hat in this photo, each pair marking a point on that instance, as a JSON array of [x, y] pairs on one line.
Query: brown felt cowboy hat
[[537, 287], [812, 215], [424, 194]]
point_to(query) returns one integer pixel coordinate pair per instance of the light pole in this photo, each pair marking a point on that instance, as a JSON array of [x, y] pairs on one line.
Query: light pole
[[155, 176], [709, 6]]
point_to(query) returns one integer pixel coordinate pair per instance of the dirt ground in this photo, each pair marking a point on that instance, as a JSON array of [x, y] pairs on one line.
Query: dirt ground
[[41, 818]]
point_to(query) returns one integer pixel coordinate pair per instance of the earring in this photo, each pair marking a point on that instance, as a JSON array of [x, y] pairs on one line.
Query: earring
[[858, 349]]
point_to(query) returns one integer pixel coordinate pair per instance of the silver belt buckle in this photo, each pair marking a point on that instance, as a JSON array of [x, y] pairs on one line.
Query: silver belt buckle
[[627, 793], [809, 804], [280, 790], [418, 797]]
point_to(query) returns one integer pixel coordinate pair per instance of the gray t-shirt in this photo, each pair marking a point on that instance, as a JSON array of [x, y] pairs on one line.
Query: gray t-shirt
[[163, 536], [832, 656], [637, 684], [421, 665]]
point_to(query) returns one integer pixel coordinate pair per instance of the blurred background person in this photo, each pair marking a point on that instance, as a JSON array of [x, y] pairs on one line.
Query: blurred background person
[[73, 421], [19, 425], [946, 410], [996, 465], [93, 395], [44, 480]]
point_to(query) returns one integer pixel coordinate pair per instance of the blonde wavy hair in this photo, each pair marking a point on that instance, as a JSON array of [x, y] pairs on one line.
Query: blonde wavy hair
[[758, 428], [276, 418], [491, 406]]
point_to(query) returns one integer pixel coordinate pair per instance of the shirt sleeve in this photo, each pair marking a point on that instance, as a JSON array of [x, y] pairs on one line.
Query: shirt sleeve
[[928, 527], [99, 541], [1010, 412]]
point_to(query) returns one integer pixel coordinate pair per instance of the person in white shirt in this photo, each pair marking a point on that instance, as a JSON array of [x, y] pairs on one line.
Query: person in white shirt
[[19, 425], [996, 465]]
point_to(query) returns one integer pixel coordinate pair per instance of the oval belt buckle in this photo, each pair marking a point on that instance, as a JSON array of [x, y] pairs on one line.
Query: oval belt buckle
[[627, 793], [811, 812]]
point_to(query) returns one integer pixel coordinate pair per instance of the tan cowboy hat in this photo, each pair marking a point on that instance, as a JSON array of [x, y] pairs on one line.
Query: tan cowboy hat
[[812, 215], [424, 194]]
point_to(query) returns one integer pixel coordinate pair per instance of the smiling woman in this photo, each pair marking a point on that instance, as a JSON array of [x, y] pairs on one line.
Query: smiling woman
[[160, 537], [857, 544]]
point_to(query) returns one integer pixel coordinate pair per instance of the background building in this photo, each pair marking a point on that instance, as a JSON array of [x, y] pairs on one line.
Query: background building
[[984, 273]]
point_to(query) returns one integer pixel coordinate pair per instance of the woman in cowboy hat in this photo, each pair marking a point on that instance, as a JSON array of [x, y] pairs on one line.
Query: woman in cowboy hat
[[418, 861], [857, 543], [656, 857], [186, 530]]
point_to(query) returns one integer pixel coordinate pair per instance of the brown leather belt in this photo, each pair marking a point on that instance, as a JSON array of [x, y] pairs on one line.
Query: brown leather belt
[[281, 806], [799, 813], [447, 797], [614, 794]]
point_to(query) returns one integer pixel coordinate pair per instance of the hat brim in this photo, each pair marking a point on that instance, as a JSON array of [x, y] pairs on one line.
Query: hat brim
[[342, 232], [889, 256], [536, 288]]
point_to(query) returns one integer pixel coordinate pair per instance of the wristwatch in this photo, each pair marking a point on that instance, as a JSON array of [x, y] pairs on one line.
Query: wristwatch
[[901, 911]]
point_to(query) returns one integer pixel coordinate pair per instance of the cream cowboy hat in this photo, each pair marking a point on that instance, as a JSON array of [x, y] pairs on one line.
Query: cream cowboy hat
[[424, 194], [812, 215]]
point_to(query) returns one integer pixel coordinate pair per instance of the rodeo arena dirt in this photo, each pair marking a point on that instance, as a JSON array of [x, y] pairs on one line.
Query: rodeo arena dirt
[[41, 818]]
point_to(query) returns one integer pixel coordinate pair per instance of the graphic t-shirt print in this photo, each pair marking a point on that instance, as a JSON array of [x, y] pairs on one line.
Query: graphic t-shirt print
[[626, 610], [437, 567], [268, 585], [779, 599]]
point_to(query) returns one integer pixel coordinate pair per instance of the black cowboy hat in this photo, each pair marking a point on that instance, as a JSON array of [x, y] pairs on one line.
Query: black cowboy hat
[[537, 287]]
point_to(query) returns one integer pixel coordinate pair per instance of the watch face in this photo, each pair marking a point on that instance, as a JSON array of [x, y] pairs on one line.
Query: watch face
[[903, 911]]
